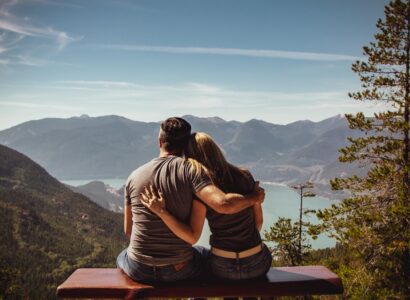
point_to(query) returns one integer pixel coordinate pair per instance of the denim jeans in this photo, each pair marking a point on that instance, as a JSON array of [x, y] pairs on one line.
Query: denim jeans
[[140, 272], [249, 267]]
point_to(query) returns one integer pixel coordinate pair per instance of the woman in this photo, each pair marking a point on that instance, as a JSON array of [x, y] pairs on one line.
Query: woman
[[237, 251]]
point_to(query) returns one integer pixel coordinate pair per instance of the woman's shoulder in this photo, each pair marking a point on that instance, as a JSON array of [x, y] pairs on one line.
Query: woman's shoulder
[[246, 173], [244, 178]]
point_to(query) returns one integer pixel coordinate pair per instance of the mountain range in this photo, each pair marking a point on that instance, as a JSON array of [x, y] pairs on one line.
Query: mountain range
[[112, 146], [47, 231]]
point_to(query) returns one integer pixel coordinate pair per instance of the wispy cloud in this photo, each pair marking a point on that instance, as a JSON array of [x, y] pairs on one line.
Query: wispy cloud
[[37, 105], [22, 28], [193, 95], [3, 49], [29, 61], [14, 29], [125, 4], [264, 53], [100, 83], [156, 102], [63, 3]]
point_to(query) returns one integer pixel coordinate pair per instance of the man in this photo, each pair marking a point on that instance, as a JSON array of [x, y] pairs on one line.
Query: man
[[154, 252]]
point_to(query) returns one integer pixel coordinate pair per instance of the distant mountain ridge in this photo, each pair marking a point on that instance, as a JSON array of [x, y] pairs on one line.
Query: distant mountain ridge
[[102, 194], [48, 231], [112, 146]]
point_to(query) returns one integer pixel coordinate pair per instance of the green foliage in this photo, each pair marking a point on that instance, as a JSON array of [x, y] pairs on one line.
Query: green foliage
[[48, 231], [373, 224], [290, 243], [285, 249]]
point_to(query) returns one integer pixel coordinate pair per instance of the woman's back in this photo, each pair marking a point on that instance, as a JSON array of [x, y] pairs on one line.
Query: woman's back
[[236, 232]]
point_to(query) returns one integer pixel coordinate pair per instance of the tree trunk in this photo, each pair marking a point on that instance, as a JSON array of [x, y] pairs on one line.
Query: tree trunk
[[406, 150]]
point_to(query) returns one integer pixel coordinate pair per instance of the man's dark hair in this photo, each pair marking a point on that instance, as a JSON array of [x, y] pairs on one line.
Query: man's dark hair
[[174, 134]]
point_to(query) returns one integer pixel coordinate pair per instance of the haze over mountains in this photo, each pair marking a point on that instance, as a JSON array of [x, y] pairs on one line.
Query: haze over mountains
[[112, 146]]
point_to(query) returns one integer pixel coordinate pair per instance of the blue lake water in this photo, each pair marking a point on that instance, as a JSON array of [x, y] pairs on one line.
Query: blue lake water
[[280, 201]]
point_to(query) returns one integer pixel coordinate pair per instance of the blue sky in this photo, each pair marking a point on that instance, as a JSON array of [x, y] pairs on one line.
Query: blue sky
[[278, 61]]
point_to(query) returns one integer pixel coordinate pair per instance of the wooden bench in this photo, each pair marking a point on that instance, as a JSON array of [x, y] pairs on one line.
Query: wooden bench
[[284, 281]]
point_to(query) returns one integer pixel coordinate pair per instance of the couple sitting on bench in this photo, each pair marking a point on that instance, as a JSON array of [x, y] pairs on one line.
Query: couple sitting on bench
[[167, 200]]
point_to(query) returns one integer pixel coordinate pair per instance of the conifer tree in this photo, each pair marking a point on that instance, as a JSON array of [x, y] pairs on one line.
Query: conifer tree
[[374, 221], [291, 239]]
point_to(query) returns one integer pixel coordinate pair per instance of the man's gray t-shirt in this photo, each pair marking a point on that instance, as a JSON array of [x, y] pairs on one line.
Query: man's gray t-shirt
[[152, 242]]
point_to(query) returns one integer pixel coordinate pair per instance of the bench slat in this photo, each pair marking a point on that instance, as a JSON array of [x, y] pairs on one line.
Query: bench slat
[[283, 281]]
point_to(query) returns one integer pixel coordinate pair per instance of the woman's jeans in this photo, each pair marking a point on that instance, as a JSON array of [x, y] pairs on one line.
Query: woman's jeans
[[245, 268], [146, 273]]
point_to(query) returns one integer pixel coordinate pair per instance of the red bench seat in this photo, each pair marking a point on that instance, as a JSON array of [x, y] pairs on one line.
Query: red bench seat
[[283, 281]]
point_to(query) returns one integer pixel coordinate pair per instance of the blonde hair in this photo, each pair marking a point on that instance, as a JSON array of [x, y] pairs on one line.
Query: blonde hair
[[206, 156]]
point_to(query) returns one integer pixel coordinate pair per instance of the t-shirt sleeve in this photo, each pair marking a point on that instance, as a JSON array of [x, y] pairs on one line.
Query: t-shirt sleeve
[[198, 179]]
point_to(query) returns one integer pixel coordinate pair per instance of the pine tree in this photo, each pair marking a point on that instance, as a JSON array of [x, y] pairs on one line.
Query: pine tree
[[291, 239], [374, 221]]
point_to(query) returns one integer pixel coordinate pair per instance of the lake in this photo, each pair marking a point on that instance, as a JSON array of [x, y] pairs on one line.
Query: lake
[[280, 201]]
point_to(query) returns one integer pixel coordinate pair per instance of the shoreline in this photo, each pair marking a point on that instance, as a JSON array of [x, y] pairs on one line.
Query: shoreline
[[273, 183]]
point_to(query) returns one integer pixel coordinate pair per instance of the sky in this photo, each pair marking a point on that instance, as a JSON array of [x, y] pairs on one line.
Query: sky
[[278, 61]]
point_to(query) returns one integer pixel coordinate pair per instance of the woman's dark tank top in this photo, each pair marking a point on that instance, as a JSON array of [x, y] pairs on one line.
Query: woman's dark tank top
[[235, 232]]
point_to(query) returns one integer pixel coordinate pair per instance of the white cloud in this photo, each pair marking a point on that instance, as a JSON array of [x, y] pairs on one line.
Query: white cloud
[[28, 61], [155, 102], [235, 52], [199, 96], [63, 3], [3, 49], [13, 29], [38, 105], [4, 62], [20, 27], [99, 83]]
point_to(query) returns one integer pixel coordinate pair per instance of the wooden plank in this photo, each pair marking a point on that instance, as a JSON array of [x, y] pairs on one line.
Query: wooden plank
[[283, 281]]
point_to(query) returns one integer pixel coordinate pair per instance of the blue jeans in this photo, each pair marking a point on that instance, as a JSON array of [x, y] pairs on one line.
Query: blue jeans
[[140, 272], [249, 267]]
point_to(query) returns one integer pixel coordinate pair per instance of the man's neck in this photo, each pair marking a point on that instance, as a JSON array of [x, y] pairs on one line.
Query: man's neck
[[164, 153]]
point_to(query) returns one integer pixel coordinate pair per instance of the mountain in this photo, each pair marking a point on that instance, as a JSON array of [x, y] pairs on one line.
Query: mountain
[[112, 146], [84, 147], [48, 231], [102, 194]]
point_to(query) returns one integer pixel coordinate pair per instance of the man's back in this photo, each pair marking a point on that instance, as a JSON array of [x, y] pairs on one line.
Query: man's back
[[152, 242]]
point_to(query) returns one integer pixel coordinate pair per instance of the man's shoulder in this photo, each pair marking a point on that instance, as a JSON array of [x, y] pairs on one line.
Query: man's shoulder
[[155, 163], [142, 169], [173, 165]]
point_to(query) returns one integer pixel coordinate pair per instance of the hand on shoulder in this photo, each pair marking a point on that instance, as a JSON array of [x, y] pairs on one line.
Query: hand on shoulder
[[153, 200]]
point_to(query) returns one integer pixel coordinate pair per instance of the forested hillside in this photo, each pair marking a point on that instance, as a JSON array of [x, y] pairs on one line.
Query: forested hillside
[[47, 230]]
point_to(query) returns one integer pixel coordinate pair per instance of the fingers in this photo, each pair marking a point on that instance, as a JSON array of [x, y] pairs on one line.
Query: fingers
[[153, 191], [160, 196], [161, 199], [144, 200], [144, 197], [151, 196], [261, 194], [150, 193], [147, 192]]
